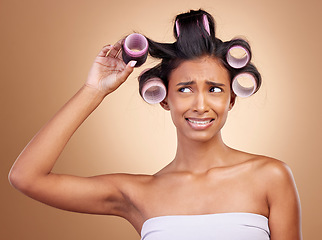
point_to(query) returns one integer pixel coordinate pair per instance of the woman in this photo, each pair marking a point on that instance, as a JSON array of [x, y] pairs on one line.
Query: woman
[[209, 190]]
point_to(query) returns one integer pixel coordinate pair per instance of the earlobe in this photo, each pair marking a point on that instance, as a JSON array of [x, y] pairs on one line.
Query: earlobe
[[230, 106], [232, 101], [164, 104]]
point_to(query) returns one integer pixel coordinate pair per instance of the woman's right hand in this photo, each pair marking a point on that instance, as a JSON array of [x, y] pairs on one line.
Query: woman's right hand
[[109, 71]]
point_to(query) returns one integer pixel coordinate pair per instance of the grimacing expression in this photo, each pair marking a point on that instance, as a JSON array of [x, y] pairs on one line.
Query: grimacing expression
[[199, 98]]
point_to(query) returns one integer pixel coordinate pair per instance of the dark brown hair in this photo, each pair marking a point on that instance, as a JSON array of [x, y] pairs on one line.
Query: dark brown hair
[[194, 41]]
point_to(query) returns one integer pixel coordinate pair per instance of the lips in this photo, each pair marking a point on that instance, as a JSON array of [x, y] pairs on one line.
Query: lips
[[200, 124]]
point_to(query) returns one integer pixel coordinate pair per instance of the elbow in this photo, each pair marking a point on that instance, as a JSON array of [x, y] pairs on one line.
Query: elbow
[[14, 179], [17, 180]]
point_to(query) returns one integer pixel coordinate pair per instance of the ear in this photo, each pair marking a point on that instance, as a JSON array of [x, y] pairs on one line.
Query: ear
[[165, 104], [232, 100]]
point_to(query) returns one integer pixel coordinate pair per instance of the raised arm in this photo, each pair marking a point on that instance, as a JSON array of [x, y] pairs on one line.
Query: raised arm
[[32, 171]]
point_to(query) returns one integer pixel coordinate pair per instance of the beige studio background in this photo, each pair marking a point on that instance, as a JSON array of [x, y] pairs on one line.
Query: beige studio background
[[47, 48]]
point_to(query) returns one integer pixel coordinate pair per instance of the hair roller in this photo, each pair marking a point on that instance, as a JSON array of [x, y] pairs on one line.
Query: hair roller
[[206, 23], [177, 28], [245, 84], [135, 47], [152, 88], [238, 54]]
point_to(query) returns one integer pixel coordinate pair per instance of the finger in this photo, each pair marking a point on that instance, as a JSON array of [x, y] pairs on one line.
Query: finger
[[118, 45], [113, 52], [119, 55], [127, 71], [104, 50], [116, 49]]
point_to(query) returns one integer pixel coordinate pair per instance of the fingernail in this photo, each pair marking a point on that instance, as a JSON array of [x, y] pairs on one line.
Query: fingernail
[[132, 63]]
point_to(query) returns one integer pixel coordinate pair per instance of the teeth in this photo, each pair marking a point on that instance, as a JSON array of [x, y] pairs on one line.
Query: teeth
[[199, 122]]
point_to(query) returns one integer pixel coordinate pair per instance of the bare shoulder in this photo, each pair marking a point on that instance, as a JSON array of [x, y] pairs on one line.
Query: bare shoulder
[[273, 170], [264, 166], [272, 173], [278, 180], [282, 197]]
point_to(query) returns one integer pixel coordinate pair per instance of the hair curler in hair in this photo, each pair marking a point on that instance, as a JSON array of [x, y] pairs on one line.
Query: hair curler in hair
[[205, 23], [135, 47], [238, 56], [244, 84], [153, 90], [177, 28]]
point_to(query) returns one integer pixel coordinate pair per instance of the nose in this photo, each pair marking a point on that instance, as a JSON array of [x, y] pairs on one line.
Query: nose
[[201, 103]]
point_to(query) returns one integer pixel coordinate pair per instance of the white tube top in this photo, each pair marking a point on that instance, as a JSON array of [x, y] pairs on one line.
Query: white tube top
[[219, 226]]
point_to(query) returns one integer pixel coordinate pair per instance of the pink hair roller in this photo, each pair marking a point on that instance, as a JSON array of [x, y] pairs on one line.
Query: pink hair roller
[[204, 21], [153, 91], [243, 91], [177, 28], [135, 47], [238, 61]]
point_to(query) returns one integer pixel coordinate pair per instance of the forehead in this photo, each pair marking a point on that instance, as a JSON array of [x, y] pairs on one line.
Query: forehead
[[201, 69]]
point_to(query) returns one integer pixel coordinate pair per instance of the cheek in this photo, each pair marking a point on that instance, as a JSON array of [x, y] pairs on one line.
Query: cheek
[[178, 110], [176, 103], [220, 105]]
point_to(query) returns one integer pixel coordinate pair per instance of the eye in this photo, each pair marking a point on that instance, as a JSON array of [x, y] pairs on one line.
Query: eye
[[215, 89], [184, 89]]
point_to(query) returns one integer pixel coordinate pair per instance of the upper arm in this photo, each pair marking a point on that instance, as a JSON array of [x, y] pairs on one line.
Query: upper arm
[[284, 203], [98, 195]]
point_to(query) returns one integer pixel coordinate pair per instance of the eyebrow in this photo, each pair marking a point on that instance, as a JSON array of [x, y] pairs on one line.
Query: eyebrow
[[193, 82]]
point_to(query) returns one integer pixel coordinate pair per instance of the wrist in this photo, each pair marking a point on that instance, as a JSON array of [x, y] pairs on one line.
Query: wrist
[[94, 92]]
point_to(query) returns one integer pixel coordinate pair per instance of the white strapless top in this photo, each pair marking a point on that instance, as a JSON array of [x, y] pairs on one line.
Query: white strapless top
[[219, 226]]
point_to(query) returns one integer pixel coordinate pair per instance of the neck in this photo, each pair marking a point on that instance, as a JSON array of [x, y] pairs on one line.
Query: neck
[[197, 157]]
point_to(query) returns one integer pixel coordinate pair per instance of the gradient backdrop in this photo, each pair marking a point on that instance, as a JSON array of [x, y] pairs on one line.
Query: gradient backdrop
[[47, 48]]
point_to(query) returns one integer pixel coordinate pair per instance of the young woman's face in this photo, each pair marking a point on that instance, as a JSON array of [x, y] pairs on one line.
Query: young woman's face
[[199, 98]]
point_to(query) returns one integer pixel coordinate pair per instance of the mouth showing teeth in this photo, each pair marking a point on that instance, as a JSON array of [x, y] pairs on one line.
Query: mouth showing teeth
[[199, 122]]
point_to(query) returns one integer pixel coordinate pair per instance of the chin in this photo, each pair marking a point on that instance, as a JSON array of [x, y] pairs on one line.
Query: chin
[[202, 137]]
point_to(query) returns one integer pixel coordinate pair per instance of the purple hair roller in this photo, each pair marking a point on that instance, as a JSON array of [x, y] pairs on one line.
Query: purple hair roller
[[204, 21], [244, 90], [238, 56], [153, 91], [135, 47], [177, 28]]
